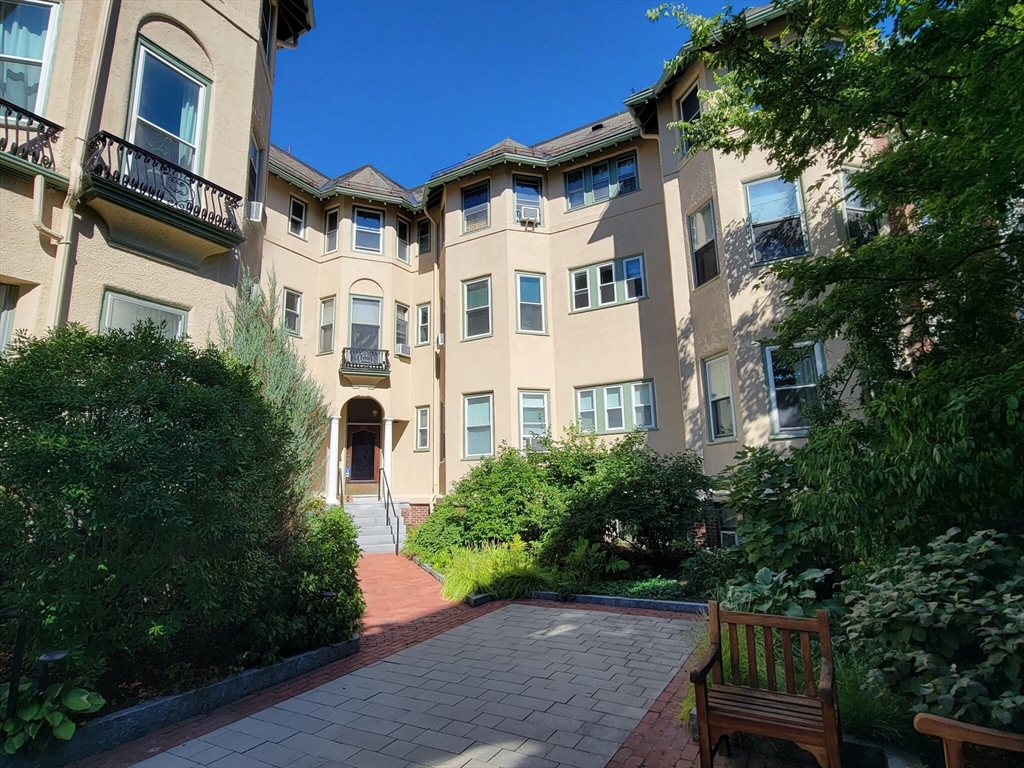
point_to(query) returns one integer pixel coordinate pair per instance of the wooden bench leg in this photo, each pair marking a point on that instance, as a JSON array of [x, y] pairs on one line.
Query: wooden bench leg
[[704, 742]]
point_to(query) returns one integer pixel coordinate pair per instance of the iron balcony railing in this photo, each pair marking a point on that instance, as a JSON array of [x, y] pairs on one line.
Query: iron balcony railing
[[27, 135], [365, 360], [149, 175]]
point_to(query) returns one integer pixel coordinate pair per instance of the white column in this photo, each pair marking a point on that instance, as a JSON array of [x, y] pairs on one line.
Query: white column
[[386, 463], [332, 462]]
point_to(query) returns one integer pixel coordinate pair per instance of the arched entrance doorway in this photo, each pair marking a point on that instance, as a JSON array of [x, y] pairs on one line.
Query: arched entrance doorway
[[363, 417]]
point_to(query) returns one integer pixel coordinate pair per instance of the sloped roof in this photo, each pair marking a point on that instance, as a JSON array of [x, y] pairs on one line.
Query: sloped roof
[[296, 168], [369, 180], [620, 122]]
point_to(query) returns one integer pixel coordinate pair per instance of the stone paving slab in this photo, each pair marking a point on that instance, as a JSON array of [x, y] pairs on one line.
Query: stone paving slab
[[520, 687]]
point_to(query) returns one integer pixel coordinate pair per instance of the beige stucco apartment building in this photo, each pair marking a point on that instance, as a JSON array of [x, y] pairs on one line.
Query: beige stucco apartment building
[[602, 277]]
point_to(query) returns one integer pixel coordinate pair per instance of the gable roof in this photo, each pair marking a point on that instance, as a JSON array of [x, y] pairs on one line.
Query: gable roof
[[367, 180]]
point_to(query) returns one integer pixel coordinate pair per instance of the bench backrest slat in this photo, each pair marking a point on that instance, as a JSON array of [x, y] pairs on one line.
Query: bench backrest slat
[[715, 638], [769, 659], [805, 650], [734, 657], [751, 657], [787, 660]]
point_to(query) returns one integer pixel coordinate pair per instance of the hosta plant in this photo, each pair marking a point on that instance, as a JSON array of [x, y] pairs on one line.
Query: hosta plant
[[44, 714]]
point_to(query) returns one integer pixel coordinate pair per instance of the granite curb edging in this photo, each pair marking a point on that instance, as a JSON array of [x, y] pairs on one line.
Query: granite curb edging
[[126, 725], [672, 606]]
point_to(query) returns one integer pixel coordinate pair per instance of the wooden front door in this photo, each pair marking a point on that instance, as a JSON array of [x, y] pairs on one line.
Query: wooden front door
[[363, 453]]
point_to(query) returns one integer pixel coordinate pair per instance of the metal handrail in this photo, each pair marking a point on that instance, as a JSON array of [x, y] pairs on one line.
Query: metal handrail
[[40, 134], [357, 359], [384, 494]]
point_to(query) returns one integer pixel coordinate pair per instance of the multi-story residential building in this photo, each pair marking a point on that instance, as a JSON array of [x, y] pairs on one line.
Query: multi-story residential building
[[605, 277]]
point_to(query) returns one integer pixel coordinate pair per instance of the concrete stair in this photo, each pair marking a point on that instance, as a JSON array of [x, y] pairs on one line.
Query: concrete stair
[[375, 535]]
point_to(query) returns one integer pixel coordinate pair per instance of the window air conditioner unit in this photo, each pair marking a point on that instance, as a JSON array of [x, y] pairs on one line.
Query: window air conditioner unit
[[255, 211], [529, 214], [403, 350], [440, 340]]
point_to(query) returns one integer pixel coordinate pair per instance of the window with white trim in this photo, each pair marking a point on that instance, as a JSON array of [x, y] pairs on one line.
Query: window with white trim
[[476, 207], [423, 428], [613, 282], [167, 112], [586, 410], [704, 244], [441, 447], [614, 416], [718, 398], [8, 301], [527, 191], [297, 217], [252, 182], [422, 324], [530, 303], [633, 277], [404, 233], [605, 284], [479, 421], [292, 312], [423, 236], [861, 225], [643, 405], [581, 289], [601, 181], [325, 342], [364, 323], [266, 31], [367, 230], [476, 299], [123, 312], [616, 408], [26, 51], [689, 110], [401, 329], [533, 419], [775, 219], [793, 386], [332, 219]]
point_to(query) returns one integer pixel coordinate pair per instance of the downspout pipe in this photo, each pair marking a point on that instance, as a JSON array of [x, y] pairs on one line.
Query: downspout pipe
[[435, 293], [38, 198], [61, 267]]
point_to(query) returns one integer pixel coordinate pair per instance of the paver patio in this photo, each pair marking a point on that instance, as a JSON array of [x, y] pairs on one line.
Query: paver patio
[[523, 686]]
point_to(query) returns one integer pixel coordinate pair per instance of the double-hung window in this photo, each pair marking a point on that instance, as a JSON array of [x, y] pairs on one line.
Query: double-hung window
[[423, 428], [364, 323], [861, 225], [530, 290], [331, 222], [368, 230], [441, 447], [422, 324], [479, 438], [581, 289], [533, 419], [167, 114], [26, 48], [476, 207], [718, 396], [252, 185], [704, 244], [401, 330], [775, 213], [404, 233], [292, 312], [586, 410], [793, 386], [601, 181], [612, 408], [326, 340], [297, 217], [527, 193], [643, 405], [266, 30], [614, 416], [606, 284], [423, 236], [689, 111], [476, 298], [8, 300], [123, 312], [633, 277], [613, 282]]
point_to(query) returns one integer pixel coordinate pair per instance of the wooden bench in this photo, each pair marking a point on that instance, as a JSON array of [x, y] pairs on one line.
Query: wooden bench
[[806, 714], [954, 735]]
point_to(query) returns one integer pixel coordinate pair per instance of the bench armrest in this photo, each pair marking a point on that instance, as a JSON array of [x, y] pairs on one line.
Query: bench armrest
[[827, 683], [700, 674], [951, 730]]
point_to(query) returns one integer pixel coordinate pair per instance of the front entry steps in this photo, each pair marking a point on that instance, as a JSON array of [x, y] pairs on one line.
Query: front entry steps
[[376, 536]]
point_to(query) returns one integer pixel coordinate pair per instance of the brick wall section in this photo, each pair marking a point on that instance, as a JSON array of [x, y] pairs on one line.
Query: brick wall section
[[416, 514]]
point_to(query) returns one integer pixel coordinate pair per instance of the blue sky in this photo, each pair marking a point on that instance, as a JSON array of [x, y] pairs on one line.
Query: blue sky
[[412, 86]]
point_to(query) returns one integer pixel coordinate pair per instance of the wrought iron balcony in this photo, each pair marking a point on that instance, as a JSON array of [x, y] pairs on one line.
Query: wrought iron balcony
[[132, 168], [26, 135], [369, 361]]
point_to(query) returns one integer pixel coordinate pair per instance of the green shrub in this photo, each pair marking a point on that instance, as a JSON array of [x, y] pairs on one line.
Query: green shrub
[[706, 570], [946, 628], [870, 711], [585, 565], [780, 593], [506, 571], [655, 588], [43, 714]]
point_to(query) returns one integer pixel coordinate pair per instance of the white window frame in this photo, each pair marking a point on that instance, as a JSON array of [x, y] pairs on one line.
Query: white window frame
[[422, 328], [625, 280], [269, 45], [292, 219], [109, 297], [257, 191], [328, 231], [145, 50], [573, 290], [709, 403], [614, 190], [690, 225], [636, 387], [399, 309], [420, 236], [403, 247], [9, 293], [517, 178], [379, 301], [356, 229], [489, 396], [798, 187], [297, 312], [465, 308], [593, 410], [486, 206], [331, 301], [685, 145], [46, 63], [422, 428], [621, 407], [818, 354], [524, 440], [615, 291], [849, 171], [543, 303]]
